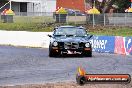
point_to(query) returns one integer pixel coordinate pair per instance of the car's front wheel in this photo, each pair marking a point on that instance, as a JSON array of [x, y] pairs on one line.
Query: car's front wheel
[[53, 53], [88, 54]]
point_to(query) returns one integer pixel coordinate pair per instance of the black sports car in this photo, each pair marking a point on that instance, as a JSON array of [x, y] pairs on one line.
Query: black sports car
[[70, 40]]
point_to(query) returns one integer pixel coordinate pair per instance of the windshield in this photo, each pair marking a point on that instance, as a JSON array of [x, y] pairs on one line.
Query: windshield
[[70, 32]]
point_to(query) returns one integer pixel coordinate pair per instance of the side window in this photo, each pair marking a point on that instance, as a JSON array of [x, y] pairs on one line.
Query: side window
[[59, 32]]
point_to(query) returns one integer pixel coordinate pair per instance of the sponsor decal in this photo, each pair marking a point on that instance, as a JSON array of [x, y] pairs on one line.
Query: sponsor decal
[[119, 45], [128, 45], [103, 43]]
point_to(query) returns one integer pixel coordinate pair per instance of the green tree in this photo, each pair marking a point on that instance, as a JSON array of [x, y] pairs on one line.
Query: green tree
[[123, 4], [105, 5]]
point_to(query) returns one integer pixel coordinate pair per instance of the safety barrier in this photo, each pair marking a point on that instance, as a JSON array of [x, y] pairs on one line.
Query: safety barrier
[[106, 44], [112, 44], [23, 38], [123, 45], [103, 43]]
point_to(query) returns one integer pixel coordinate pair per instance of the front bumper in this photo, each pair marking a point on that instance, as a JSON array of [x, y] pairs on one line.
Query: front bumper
[[72, 51], [71, 48]]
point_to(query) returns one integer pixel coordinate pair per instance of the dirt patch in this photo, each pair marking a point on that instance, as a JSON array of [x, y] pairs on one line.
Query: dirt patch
[[70, 85]]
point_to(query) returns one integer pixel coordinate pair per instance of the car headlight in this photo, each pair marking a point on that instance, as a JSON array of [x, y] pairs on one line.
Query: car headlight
[[55, 44], [87, 45]]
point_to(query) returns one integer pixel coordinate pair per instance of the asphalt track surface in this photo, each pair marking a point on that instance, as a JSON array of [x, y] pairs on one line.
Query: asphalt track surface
[[19, 65]]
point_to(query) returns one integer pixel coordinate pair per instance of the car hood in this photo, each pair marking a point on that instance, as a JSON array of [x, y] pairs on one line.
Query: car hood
[[71, 39]]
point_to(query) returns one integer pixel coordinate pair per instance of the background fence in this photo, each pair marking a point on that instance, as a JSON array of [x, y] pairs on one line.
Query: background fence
[[108, 19]]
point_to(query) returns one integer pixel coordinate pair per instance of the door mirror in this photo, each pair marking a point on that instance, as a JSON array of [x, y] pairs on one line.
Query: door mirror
[[49, 35], [90, 36]]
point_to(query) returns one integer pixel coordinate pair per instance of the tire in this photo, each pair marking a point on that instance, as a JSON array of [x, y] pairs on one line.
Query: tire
[[88, 54], [51, 54]]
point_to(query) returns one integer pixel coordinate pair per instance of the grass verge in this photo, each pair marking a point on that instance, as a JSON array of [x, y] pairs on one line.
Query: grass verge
[[112, 31], [48, 27]]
